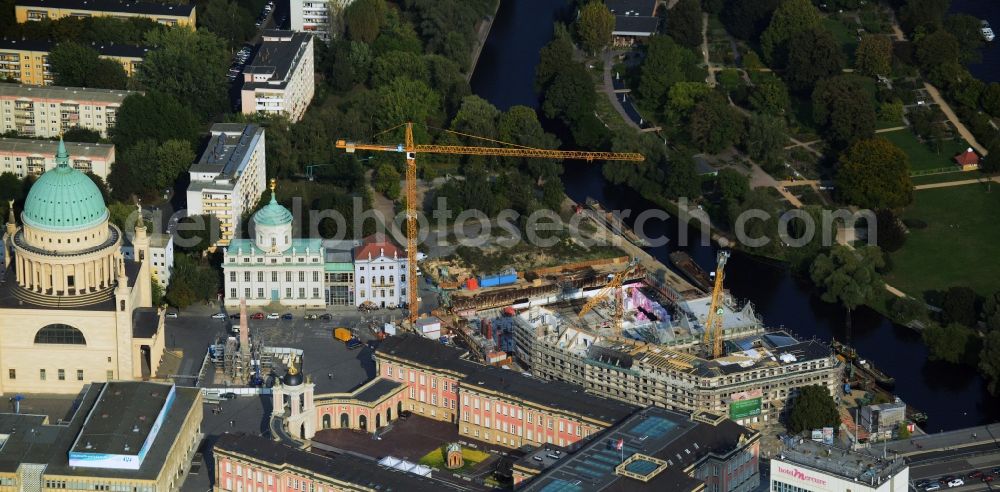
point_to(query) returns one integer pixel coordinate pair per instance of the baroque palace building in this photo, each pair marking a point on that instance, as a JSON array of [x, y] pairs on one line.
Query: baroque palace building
[[72, 309]]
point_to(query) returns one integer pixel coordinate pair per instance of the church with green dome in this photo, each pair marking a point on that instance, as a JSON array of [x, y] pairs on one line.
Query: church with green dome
[[73, 310]]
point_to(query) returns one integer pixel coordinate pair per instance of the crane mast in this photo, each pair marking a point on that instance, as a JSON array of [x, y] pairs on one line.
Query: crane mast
[[713, 323], [411, 149], [613, 286]]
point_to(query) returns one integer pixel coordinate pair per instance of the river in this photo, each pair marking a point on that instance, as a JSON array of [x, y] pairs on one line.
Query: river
[[952, 397]]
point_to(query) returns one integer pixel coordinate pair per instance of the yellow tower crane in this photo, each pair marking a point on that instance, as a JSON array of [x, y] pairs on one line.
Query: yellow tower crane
[[613, 286], [713, 325], [411, 149]]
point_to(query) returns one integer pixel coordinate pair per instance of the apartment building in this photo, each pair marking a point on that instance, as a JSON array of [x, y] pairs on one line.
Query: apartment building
[[490, 404], [751, 384], [230, 176], [27, 61], [161, 255], [47, 112], [280, 78], [23, 157], [169, 14], [321, 18], [379, 273]]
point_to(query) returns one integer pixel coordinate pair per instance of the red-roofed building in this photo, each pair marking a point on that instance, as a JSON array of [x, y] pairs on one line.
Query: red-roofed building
[[968, 160], [379, 273]]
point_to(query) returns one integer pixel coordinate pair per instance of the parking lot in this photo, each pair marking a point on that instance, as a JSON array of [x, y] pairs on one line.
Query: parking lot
[[971, 470]]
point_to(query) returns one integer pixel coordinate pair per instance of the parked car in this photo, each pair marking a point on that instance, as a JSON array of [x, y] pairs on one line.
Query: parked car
[[933, 486], [987, 478], [976, 474], [354, 343], [957, 482], [273, 316], [326, 317], [234, 316], [287, 316], [171, 314], [310, 316], [257, 316], [219, 316], [228, 396]]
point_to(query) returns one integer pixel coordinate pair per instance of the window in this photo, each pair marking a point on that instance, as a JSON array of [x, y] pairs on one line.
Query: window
[[361, 280], [232, 293], [60, 334], [274, 276], [315, 292], [260, 276], [302, 293], [288, 278], [41, 374], [302, 276], [260, 293], [246, 276], [79, 374], [12, 373], [232, 276], [109, 376], [288, 293], [315, 276]]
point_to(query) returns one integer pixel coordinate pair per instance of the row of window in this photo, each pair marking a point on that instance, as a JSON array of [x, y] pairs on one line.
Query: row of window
[[274, 276], [246, 259], [288, 293], [60, 374], [79, 485]]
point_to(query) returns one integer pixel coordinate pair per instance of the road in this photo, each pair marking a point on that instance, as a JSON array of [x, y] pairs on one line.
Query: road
[[608, 87]]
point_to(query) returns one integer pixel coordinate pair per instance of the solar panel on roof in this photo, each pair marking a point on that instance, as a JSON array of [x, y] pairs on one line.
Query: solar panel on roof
[[561, 486], [642, 467]]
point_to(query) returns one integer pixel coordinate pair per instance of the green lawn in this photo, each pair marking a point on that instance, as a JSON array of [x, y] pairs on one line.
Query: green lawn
[[922, 156], [847, 37], [944, 177], [959, 246], [436, 458]]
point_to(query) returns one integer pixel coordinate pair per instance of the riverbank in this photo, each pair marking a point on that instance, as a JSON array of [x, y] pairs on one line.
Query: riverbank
[[482, 34]]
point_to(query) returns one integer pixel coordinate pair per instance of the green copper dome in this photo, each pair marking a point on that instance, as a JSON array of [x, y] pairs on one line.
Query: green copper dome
[[273, 214], [64, 199]]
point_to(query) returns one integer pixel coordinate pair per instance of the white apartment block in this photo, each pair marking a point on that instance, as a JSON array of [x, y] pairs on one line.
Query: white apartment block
[[36, 111], [23, 157], [161, 252], [322, 18], [280, 79], [379, 273], [229, 177]]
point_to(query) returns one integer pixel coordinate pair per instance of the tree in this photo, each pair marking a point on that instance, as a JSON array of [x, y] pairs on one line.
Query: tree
[[939, 48], [746, 19], [172, 159], [959, 306], [990, 99], [663, 67], [189, 66], [153, 115], [732, 185], [966, 30], [77, 65], [386, 181], [81, 134], [991, 311], [520, 126], [769, 95], [684, 23], [874, 173], [570, 95], [227, 19], [873, 55], [922, 13], [947, 343], [902, 431], [403, 99], [765, 140], [190, 282], [714, 125], [790, 18], [845, 108], [813, 55], [363, 19], [553, 58], [990, 166], [682, 96], [908, 310], [133, 173], [891, 111], [476, 116], [989, 361], [813, 408], [594, 26], [156, 289], [848, 276], [889, 231], [385, 67]]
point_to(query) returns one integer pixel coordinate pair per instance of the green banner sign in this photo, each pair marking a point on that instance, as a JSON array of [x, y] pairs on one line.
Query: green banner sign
[[744, 408]]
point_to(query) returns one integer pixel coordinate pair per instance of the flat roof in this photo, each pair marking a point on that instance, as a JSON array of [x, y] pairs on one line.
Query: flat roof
[[226, 154], [651, 438], [145, 322], [131, 7], [276, 58], [107, 49], [110, 96], [842, 462], [341, 467], [122, 418], [31, 440], [628, 25], [380, 388], [48, 148], [557, 395]]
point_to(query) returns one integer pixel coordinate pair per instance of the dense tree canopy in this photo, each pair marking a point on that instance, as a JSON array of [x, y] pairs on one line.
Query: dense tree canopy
[[874, 173], [714, 124], [76, 65], [989, 361], [813, 55], [765, 140], [845, 108], [813, 408], [848, 276], [684, 23], [156, 116], [746, 19], [229, 19], [959, 305], [922, 13], [769, 95], [189, 66], [874, 55], [191, 282], [363, 19], [790, 18], [949, 343], [594, 26], [665, 65], [146, 168]]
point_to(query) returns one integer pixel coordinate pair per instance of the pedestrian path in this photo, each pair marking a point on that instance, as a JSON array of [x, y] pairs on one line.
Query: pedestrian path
[[948, 184]]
